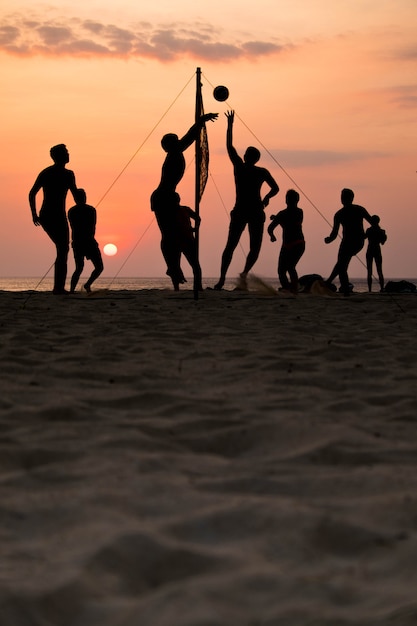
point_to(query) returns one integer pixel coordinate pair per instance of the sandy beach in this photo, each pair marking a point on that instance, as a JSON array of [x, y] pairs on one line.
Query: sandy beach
[[244, 459]]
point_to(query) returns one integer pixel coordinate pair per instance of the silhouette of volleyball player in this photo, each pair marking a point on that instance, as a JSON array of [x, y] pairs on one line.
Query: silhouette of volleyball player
[[350, 217], [83, 218], [55, 181], [376, 237], [249, 206], [163, 199], [185, 238], [293, 243]]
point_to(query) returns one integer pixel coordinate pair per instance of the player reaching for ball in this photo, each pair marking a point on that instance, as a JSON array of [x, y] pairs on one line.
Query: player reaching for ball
[[163, 199], [249, 206]]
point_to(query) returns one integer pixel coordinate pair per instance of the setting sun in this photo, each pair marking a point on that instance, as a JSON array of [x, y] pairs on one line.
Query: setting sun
[[110, 249]]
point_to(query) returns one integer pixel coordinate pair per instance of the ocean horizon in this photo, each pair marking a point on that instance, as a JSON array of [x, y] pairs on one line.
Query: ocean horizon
[[33, 283]]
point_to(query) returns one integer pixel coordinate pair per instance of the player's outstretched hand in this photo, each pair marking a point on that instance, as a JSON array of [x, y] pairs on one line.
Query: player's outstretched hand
[[210, 117]]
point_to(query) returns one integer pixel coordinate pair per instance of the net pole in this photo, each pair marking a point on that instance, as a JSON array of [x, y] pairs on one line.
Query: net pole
[[198, 112]]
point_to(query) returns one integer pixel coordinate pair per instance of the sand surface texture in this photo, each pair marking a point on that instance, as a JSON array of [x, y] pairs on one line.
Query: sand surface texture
[[243, 459]]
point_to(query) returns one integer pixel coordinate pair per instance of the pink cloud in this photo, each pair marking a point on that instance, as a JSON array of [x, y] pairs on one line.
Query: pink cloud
[[74, 37]]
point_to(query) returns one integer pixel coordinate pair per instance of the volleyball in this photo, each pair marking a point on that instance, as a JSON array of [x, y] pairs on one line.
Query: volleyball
[[221, 93]]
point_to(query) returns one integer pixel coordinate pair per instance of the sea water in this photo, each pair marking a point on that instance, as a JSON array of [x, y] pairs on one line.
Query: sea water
[[132, 283]]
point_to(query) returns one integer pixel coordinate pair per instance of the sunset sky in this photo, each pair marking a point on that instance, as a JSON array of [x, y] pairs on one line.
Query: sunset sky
[[326, 90]]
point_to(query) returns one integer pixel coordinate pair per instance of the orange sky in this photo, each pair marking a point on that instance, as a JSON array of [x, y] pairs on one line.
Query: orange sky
[[328, 95]]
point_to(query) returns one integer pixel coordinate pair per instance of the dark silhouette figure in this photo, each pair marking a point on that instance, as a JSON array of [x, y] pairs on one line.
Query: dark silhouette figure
[[163, 200], [249, 206], [185, 241], [55, 181], [350, 217], [83, 218], [293, 243], [376, 237]]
